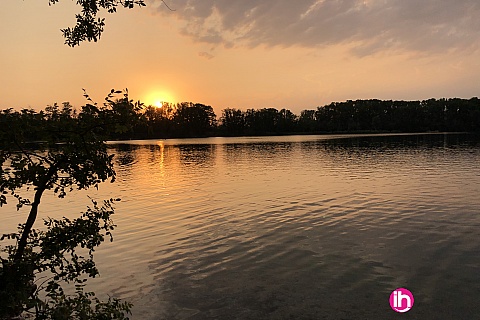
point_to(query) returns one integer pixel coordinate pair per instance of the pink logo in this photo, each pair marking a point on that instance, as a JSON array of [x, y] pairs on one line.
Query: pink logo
[[401, 300]]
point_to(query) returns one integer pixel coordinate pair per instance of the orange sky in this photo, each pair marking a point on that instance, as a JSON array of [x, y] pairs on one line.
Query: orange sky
[[244, 54]]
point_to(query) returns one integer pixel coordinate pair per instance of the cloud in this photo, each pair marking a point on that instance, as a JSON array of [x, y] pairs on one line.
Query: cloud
[[206, 55], [369, 25]]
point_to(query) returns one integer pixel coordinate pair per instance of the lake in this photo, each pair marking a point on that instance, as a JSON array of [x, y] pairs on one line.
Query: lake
[[291, 227]]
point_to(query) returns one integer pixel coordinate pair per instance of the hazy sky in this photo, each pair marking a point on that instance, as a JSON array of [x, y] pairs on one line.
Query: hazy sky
[[295, 54]]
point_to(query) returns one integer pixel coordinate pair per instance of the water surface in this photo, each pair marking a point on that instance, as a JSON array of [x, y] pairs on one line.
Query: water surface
[[297, 227]]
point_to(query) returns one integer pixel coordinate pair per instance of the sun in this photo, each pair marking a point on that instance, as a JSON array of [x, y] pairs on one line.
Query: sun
[[158, 98], [158, 103]]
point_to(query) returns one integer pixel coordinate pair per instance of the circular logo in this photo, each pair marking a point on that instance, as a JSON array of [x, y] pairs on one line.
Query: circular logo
[[401, 300]]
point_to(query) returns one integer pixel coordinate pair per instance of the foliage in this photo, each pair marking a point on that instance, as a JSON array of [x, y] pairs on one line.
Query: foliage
[[400, 116], [57, 254], [57, 150], [88, 26], [233, 121], [358, 116], [194, 119], [189, 119], [184, 119]]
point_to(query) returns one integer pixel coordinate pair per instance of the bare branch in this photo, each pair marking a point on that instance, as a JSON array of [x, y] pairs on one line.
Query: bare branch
[[166, 5]]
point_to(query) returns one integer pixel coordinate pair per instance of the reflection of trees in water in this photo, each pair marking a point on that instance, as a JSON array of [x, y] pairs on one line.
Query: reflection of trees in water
[[389, 150], [268, 154], [163, 157], [125, 159], [197, 155], [407, 141], [125, 154]]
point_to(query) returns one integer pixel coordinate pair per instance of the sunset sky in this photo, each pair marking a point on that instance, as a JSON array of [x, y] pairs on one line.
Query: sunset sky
[[244, 53]]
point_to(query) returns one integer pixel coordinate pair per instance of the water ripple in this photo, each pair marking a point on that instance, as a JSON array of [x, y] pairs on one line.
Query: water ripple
[[294, 228]]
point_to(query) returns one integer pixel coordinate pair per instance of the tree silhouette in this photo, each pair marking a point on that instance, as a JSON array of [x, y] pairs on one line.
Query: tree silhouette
[[194, 119], [232, 122], [89, 27], [56, 150]]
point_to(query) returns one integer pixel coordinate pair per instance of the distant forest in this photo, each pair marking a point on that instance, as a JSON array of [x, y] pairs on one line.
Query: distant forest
[[188, 119], [198, 120]]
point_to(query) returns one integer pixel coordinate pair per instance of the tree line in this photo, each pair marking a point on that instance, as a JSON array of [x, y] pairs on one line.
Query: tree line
[[187, 119], [198, 120]]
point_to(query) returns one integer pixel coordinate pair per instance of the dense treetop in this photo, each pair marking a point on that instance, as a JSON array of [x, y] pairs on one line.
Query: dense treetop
[[189, 119], [196, 120]]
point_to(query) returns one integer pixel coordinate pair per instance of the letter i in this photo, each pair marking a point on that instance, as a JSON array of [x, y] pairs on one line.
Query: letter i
[[395, 302]]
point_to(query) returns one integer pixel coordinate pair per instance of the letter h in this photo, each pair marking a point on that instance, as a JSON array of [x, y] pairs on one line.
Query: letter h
[[398, 298]]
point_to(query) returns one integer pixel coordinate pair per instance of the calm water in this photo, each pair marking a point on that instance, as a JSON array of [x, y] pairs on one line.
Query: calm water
[[299, 227]]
